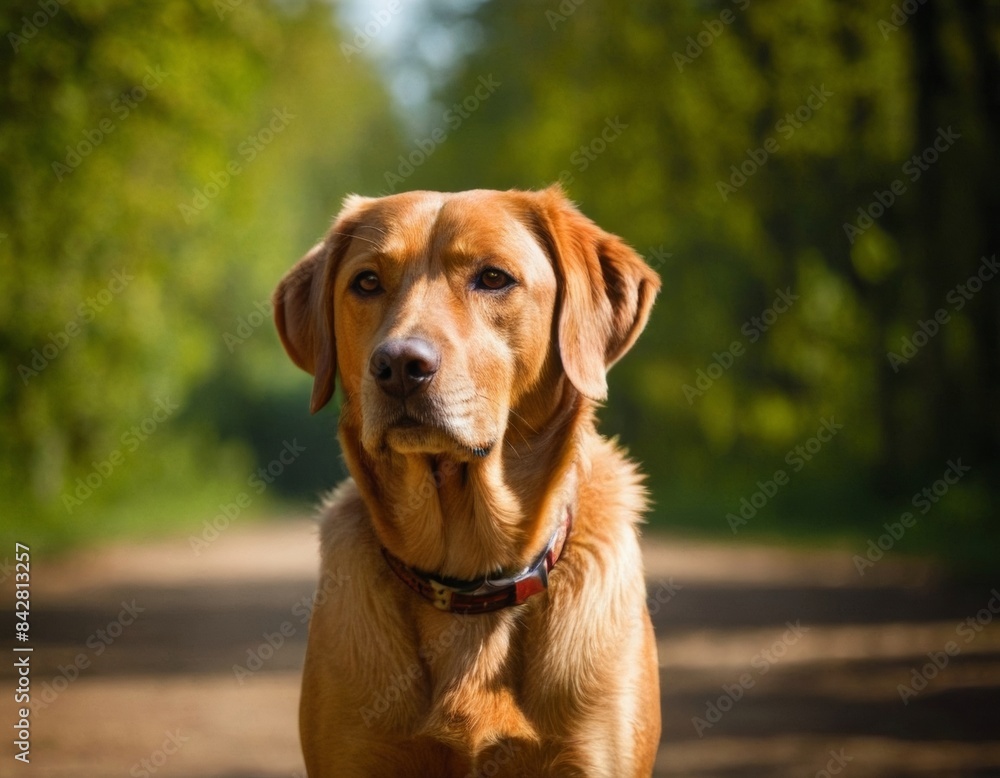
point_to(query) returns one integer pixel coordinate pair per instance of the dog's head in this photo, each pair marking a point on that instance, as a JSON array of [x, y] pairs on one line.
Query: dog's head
[[447, 315]]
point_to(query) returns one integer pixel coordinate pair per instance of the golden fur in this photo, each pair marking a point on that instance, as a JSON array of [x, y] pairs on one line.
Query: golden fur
[[470, 476]]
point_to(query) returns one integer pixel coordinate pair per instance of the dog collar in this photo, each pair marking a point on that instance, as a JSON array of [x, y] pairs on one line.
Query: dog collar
[[485, 595]]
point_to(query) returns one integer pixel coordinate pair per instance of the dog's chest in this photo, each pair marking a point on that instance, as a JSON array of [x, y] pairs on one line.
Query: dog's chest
[[472, 680]]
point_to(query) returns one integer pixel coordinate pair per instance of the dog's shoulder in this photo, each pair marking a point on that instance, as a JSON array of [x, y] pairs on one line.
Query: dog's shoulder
[[343, 514], [602, 569], [612, 488], [348, 545]]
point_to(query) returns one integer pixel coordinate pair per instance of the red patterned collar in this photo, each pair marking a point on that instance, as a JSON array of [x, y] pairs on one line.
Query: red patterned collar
[[485, 595]]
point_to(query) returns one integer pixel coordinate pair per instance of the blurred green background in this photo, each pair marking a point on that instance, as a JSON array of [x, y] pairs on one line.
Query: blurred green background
[[815, 182]]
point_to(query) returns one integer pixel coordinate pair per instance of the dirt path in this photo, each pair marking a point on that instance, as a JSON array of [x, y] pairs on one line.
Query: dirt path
[[157, 661]]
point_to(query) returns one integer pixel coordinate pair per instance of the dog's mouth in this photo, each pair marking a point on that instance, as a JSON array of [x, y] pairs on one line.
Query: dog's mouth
[[409, 433]]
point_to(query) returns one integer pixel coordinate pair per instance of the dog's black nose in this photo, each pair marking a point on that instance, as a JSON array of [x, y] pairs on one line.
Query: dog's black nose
[[404, 366]]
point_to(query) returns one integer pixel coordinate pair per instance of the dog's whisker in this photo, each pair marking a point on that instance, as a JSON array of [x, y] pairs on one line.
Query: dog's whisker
[[513, 448], [355, 236], [522, 420]]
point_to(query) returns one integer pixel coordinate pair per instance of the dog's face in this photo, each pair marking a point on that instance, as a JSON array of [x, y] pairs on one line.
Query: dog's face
[[442, 313], [447, 316]]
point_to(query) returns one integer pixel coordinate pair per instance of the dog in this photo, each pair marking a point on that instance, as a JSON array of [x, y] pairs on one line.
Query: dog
[[481, 607]]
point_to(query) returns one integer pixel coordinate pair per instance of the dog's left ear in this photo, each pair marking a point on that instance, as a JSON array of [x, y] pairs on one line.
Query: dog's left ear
[[303, 305], [606, 292]]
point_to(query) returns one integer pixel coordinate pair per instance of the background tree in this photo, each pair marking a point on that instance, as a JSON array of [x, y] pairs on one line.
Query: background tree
[[163, 164], [813, 181], [760, 148]]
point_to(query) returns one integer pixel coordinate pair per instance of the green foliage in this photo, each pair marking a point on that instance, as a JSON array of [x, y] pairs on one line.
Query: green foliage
[[163, 164], [754, 134], [772, 161]]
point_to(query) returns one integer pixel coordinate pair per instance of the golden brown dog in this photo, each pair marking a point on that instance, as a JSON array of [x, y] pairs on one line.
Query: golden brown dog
[[482, 607]]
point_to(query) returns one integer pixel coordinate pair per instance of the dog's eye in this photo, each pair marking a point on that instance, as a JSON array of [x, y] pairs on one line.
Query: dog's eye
[[493, 279], [366, 283]]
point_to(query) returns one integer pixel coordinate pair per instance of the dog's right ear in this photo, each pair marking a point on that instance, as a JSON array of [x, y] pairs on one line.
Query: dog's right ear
[[303, 305]]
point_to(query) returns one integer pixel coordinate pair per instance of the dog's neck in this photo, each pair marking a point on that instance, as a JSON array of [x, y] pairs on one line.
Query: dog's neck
[[468, 519]]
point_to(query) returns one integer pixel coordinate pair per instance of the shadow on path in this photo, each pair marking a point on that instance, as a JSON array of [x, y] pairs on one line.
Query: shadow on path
[[765, 678]]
